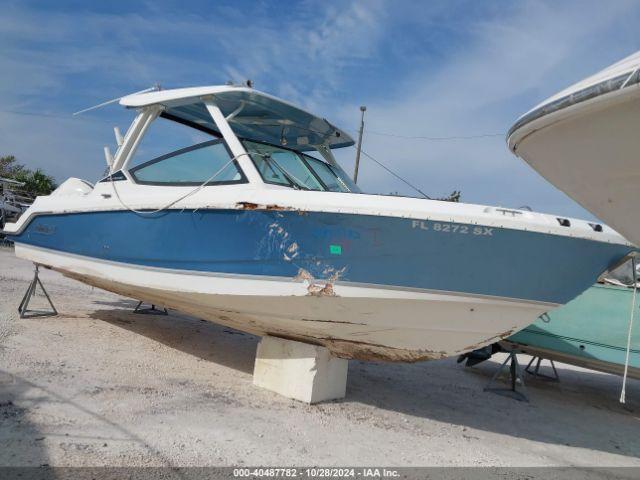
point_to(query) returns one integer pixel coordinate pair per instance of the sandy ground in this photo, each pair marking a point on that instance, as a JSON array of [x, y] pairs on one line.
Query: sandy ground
[[99, 385]]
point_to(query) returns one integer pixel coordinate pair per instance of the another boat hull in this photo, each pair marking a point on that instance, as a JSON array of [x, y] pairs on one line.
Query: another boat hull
[[591, 332], [590, 152]]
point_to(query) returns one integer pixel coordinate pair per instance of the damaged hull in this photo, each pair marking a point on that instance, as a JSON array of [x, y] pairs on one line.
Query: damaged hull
[[365, 286], [366, 323]]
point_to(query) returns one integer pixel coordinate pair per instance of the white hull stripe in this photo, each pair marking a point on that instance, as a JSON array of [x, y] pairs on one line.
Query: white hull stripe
[[23, 251]]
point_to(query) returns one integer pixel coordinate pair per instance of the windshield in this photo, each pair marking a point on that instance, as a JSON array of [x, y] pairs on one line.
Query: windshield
[[208, 162], [289, 168], [284, 167]]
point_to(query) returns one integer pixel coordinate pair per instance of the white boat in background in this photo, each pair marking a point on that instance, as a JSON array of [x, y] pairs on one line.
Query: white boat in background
[[585, 141], [259, 228]]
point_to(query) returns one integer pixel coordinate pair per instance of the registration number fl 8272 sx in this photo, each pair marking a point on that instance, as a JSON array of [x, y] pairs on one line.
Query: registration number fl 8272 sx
[[446, 227]]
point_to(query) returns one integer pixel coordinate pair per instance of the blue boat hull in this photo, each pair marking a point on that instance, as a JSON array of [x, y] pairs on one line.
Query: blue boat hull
[[361, 249], [364, 286]]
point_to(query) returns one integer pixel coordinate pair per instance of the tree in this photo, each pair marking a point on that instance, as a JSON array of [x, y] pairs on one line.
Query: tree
[[36, 182], [452, 197], [9, 166]]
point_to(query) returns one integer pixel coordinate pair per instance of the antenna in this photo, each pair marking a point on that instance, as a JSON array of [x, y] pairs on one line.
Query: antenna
[[359, 147], [119, 138], [108, 157], [155, 88]]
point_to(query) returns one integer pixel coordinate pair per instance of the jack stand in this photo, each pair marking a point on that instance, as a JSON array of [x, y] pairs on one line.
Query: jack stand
[[516, 376], [536, 371], [150, 311], [23, 309]]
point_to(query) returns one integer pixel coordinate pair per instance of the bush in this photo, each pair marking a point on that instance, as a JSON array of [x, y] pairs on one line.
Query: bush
[[35, 182]]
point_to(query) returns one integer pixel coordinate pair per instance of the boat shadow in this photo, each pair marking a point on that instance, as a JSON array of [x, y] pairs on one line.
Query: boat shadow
[[200, 338], [582, 410]]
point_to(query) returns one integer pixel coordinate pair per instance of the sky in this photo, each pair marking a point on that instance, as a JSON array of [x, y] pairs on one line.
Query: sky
[[435, 69]]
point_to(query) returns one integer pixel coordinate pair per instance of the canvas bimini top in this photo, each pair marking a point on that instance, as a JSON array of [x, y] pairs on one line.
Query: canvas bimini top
[[622, 77], [252, 115]]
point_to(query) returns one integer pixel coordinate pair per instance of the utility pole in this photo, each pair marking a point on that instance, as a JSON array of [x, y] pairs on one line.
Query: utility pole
[[355, 173]]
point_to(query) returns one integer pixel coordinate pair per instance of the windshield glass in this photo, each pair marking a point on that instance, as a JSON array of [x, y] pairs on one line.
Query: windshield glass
[[289, 168], [328, 176], [281, 166], [208, 162]]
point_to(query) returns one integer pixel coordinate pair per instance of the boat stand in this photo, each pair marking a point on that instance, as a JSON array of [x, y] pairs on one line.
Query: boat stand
[[515, 372], [150, 310], [536, 371], [304, 372], [23, 309]]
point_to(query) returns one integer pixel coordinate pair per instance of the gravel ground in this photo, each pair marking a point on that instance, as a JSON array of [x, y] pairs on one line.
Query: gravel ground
[[98, 385]]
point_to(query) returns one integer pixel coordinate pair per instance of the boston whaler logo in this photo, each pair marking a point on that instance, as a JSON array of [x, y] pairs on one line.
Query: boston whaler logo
[[446, 227], [45, 229]]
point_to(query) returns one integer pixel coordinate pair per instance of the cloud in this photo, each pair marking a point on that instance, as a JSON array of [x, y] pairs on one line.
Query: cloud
[[438, 68], [60, 61], [308, 48], [307, 56], [511, 61]]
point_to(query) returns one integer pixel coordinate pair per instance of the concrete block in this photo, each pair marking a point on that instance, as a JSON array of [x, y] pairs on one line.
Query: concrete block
[[301, 371]]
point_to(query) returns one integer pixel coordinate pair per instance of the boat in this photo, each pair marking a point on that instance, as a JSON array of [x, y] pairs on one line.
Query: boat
[[258, 228], [590, 332], [584, 140]]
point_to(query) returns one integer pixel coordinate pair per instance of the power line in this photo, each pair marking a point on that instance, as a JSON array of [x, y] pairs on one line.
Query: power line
[[51, 115], [425, 137], [384, 134], [34, 114]]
